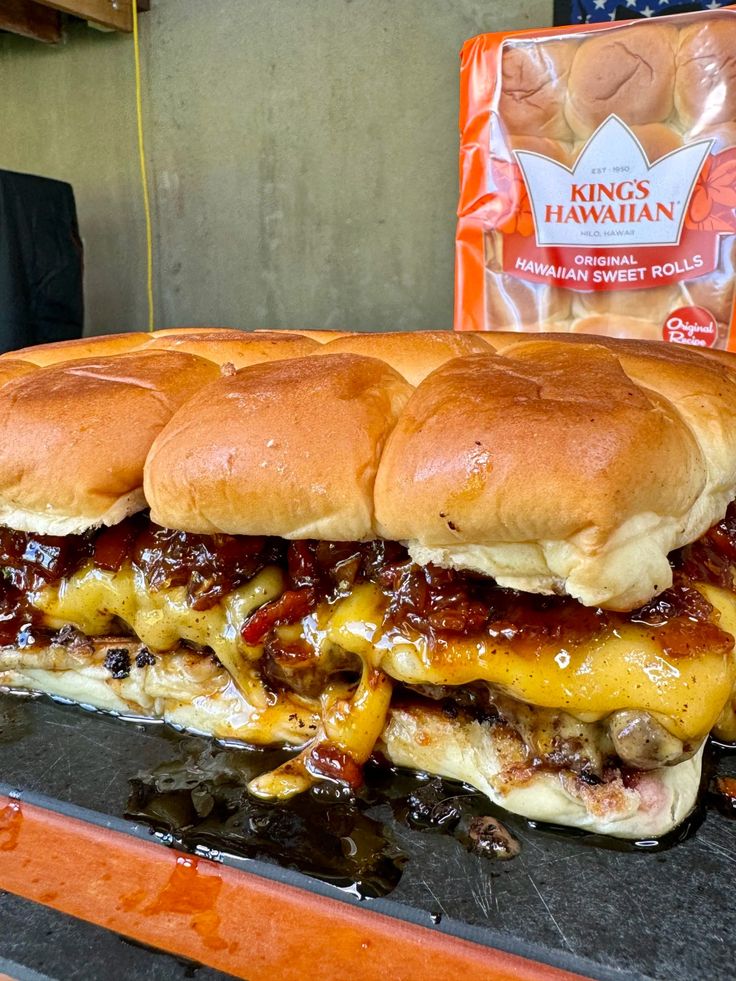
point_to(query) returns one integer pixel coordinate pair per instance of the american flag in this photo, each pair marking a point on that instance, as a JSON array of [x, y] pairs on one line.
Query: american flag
[[600, 11]]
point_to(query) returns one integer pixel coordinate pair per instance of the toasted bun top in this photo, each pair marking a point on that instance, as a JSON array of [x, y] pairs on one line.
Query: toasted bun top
[[74, 436], [288, 448], [413, 354], [319, 335], [627, 72], [199, 329], [235, 347], [322, 336], [562, 467], [552, 462], [81, 347], [10, 369]]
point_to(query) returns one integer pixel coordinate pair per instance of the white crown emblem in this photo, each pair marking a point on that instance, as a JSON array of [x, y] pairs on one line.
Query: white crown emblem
[[613, 196]]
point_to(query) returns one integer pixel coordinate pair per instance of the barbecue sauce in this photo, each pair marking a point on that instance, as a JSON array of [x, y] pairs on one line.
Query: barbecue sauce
[[437, 603]]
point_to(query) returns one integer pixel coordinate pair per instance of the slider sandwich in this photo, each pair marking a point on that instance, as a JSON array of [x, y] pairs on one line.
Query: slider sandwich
[[516, 571]]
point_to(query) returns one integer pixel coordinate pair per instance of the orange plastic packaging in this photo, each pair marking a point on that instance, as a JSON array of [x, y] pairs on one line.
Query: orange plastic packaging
[[598, 180]]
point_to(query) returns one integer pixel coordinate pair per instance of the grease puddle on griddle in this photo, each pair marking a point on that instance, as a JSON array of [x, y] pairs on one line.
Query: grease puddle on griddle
[[197, 801], [200, 800]]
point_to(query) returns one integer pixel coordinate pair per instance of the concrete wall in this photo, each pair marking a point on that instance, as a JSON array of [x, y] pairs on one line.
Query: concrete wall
[[303, 157]]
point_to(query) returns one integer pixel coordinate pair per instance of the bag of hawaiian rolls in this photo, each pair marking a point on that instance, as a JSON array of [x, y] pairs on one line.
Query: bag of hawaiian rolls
[[598, 180]]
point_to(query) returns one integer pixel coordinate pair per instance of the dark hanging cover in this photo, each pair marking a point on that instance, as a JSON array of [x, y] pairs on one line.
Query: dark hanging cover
[[40, 262]]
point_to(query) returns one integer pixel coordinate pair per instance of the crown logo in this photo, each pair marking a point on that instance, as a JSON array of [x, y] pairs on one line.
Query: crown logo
[[613, 196]]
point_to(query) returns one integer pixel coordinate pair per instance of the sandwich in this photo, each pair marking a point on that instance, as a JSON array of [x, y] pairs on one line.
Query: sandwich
[[513, 568]]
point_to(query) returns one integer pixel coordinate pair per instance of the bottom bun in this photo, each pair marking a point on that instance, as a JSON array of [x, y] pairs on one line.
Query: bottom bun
[[193, 692], [188, 690], [491, 759]]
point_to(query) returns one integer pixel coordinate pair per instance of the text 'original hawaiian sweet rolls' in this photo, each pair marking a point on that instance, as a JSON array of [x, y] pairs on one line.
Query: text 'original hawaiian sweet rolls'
[[599, 161], [480, 563]]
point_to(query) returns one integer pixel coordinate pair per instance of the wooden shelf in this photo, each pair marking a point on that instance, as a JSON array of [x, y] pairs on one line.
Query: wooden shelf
[[30, 19], [41, 19]]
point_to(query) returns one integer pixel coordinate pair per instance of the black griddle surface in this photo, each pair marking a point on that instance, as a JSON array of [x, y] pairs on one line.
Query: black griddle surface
[[608, 914]]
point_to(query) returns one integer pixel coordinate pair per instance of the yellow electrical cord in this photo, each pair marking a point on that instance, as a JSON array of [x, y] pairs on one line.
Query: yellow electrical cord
[[142, 156]]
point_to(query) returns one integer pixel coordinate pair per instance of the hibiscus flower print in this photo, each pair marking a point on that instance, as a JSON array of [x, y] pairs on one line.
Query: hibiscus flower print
[[714, 198], [515, 213]]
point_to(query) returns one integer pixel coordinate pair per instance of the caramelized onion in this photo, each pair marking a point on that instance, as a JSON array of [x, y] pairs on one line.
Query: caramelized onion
[[434, 601]]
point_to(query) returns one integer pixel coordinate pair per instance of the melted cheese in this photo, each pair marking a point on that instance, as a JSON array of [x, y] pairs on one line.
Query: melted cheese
[[624, 670], [92, 599], [352, 722]]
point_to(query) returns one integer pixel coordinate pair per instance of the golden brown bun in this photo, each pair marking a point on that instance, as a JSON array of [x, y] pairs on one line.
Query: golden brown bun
[[651, 304], [623, 346], [705, 85], [701, 392], [413, 354], [726, 358], [566, 464], [288, 448], [657, 139], [234, 346], [534, 78], [10, 369], [81, 347], [184, 331], [421, 737], [74, 436], [495, 340], [629, 72], [321, 336], [549, 470]]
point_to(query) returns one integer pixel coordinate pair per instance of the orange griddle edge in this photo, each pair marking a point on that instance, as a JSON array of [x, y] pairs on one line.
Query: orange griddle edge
[[231, 920]]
